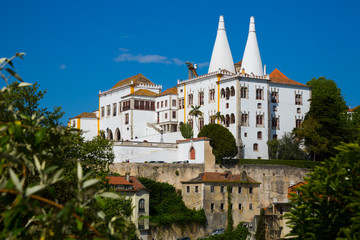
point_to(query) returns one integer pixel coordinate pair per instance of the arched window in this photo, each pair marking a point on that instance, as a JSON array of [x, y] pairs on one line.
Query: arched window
[[109, 135], [259, 135], [222, 93], [256, 147], [117, 134], [227, 93], [232, 91], [192, 153], [227, 120], [201, 123], [141, 205], [232, 118]]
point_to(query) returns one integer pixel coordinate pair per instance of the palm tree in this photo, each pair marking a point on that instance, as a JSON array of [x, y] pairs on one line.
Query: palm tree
[[195, 112], [218, 116]]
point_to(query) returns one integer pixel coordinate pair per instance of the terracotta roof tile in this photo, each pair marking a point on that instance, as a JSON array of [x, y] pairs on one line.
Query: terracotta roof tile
[[353, 109], [121, 180], [172, 90], [85, 115], [143, 92], [238, 63], [139, 78], [278, 77], [222, 177]]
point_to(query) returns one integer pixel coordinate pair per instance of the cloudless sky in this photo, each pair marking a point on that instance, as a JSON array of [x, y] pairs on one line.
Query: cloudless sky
[[76, 48]]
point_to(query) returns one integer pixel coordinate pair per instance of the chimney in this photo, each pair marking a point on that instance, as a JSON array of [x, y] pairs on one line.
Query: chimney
[[127, 176]]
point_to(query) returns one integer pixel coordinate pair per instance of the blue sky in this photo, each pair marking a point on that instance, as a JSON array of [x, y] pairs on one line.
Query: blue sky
[[76, 48]]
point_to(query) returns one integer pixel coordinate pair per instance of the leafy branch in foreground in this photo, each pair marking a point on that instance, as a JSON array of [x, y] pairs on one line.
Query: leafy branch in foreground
[[51, 180]]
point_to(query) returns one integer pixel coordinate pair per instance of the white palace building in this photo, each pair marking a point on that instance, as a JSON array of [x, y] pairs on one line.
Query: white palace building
[[144, 121]]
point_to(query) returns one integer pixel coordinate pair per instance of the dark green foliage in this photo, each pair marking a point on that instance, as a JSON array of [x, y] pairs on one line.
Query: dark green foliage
[[167, 206], [327, 117], [221, 140], [292, 163], [260, 229], [240, 233], [230, 225], [328, 206], [186, 131], [288, 147]]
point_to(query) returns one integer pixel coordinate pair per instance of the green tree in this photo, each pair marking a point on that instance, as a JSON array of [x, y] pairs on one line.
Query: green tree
[[218, 116], [221, 140], [328, 113], [289, 148], [240, 233], [195, 112], [328, 206], [186, 131], [261, 226], [47, 193], [273, 146]]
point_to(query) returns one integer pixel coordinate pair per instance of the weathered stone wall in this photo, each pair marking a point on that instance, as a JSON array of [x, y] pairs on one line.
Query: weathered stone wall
[[275, 179]]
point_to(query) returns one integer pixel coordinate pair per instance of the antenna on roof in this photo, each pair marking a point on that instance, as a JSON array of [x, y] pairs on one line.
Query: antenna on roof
[[192, 69]]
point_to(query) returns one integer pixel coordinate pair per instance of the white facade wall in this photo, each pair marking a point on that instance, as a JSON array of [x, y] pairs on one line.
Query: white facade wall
[[89, 127], [185, 147]]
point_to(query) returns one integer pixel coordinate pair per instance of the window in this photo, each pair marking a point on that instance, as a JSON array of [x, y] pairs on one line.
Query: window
[[259, 135], [142, 106], [173, 114], [187, 188], [250, 190], [274, 97], [165, 103], [192, 153], [222, 93], [232, 118], [275, 123], [232, 91], [165, 115], [136, 104], [250, 206], [275, 108], [212, 188], [201, 123], [222, 189], [212, 95], [239, 190], [74, 123], [227, 105], [244, 92], [162, 104], [141, 205], [259, 120], [256, 147], [259, 94], [196, 188], [240, 206], [174, 103], [108, 110], [201, 98], [191, 123], [191, 99], [181, 103], [298, 110], [227, 93], [222, 206], [245, 134], [298, 99], [153, 106], [157, 105], [102, 111], [212, 119], [227, 120], [147, 105], [275, 136], [212, 207], [298, 123], [244, 119], [127, 118], [119, 107], [259, 106], [114, 109], [126, 105]]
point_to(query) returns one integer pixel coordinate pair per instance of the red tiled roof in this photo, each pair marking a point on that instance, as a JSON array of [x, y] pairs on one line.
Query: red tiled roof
[[172, 90], [143, 92], [353, 109], [278, 77], [121, 180], [238, 63], [222, 177], [85, 115], [139, 78]]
